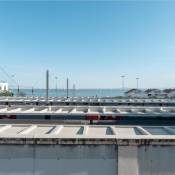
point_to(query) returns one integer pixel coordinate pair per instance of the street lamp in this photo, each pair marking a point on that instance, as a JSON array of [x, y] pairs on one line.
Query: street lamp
[[56, 88], [67, 88], [74, 89], [32, 91]]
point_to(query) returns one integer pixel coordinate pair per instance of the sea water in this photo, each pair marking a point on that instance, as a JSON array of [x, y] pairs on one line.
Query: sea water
[[71, 92]]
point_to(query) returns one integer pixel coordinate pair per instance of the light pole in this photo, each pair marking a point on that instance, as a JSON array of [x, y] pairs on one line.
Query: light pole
[[123, 82], [47, 85], [67, 90], [56, 88], [32, 91], [137, 80], [74, 89]]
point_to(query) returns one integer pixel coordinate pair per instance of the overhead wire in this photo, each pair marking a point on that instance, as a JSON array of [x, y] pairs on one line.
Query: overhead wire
[[9, 76]]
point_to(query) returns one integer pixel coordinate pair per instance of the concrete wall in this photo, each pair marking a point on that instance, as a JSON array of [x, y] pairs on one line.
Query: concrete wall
[[146, 160], [156, 160], [58, 160], [86, 160]]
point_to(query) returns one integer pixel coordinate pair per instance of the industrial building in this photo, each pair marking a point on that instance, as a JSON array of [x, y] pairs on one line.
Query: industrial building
[[118, 114], [85, 101], [86, 150], [3, 86], [42, 139]]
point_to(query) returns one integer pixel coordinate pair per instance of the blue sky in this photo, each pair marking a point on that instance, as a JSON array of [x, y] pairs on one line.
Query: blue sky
[[92, 43]]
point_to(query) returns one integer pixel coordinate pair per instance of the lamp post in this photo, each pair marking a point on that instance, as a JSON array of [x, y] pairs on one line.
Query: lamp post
[[56, 88], [67, 90], [74, 89], [47, 85], [32, 91]]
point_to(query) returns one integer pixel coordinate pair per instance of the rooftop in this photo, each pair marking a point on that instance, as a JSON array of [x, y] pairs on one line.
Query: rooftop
[[86, 110], [88, 100], [85, 134]]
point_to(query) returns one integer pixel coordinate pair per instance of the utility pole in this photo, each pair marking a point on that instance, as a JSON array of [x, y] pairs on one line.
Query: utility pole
[[67, 88], [47, 85], [56, 88], [74, 89], [18, 90], [123, 82], [32, 91], [137, 79]]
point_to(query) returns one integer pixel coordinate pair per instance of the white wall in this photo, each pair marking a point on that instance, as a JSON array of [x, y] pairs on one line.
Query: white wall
[[4, 86]]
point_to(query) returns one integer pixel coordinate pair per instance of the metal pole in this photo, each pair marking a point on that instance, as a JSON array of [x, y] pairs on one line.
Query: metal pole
[[32, 91], [67, 88], [74, 89], [56, 88], [47, 85], [18, 90]]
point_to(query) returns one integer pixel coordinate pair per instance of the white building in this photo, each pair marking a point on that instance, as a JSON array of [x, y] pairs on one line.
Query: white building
[[135, 93], [4, 87]]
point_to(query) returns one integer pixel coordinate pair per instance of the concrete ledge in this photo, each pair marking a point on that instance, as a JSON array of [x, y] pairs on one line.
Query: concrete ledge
[[83, 141]]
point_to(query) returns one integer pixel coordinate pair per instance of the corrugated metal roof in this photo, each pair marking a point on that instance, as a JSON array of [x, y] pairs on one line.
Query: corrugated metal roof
[[85, 131], [86, 110], [84, 100]]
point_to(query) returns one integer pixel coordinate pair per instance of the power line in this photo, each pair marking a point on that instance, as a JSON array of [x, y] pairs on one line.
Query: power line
[[10, 77], [37, 82]]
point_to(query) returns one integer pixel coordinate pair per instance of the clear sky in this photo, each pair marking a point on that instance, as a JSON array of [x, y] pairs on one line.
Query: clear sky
[[92, 43]]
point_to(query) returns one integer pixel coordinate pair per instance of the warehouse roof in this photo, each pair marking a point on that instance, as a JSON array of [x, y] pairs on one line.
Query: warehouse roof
[[83, 100], [85, 134], [86, 110]]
